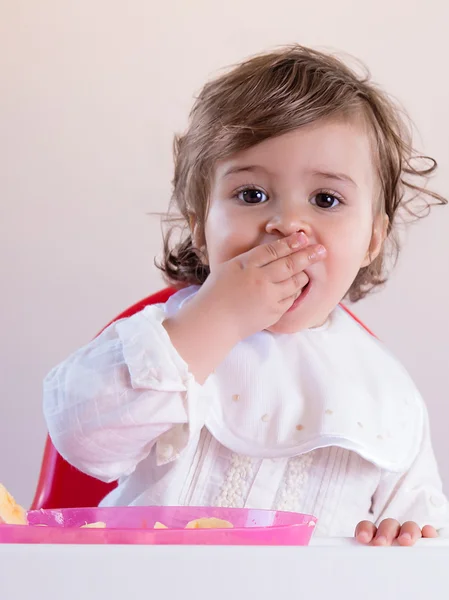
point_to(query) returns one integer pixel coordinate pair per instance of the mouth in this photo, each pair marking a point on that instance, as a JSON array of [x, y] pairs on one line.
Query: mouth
[[304, 293]]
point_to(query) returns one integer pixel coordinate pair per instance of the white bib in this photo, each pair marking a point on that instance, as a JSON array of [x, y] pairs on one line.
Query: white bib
[[281, 395]]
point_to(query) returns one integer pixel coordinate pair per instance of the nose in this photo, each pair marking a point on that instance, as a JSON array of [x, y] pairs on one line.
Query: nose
[[287, 221]]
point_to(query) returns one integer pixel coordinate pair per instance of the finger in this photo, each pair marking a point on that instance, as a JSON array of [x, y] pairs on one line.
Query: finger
[[286, 303], [293, 287], [410, 532], [429, 532], [387, 532], [267, 253], [365, 531], [284, 268]]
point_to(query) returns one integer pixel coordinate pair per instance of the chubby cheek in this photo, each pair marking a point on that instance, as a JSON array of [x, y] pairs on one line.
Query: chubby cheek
[[225, 241], [345, 259]]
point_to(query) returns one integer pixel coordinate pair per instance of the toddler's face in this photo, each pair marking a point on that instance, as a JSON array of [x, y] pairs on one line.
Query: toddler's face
[[319, 179]]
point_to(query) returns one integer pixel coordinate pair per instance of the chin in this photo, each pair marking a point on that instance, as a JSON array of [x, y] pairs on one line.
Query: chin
[[303, 314], [288, 325]]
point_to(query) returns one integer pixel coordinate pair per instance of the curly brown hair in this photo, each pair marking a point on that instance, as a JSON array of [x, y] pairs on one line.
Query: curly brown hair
[[272, 94]]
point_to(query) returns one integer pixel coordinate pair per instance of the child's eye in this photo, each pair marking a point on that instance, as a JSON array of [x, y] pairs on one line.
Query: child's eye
[[252, 196], [325, 200]]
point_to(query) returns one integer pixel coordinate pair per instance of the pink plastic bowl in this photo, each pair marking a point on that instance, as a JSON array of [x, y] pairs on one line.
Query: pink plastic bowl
[[134, 525]]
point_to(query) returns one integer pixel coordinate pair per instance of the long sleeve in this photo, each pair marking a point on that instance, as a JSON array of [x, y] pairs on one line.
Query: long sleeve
[[416, 495], [112, 400]]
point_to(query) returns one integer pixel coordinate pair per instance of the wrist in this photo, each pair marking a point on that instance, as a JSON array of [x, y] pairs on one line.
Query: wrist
[[213, 321], [203, 334]]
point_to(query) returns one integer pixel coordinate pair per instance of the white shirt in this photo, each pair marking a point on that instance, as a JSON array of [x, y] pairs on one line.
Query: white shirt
[[325, 422]]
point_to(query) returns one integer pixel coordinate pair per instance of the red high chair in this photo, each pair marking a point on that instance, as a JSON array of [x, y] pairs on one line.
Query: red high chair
[[62, 486]]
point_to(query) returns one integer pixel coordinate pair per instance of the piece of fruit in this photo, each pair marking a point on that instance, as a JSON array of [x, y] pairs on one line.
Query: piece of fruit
[[11, 513], [158, 525], [97, 525], [209, 523]]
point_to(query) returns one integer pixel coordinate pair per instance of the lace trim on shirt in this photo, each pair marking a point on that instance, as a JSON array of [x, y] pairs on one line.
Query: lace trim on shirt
[[294, 481], [235, 486]]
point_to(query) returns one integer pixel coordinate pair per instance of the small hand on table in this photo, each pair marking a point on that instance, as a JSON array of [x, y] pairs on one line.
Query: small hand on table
[[391, 530]]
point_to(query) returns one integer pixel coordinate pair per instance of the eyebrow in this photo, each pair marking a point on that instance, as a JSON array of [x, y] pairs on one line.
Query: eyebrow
[[316, 173], [331, 175], [238, 169]]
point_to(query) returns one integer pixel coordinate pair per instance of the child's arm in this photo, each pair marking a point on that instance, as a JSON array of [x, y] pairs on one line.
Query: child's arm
[[415, 498], [108, 403]]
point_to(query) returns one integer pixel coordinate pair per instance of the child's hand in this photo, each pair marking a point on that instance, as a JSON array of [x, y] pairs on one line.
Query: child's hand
[[240, 297], [253, 290], [390, 530]]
